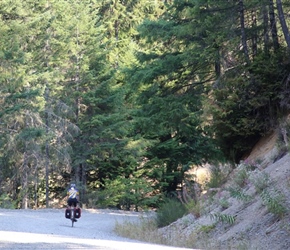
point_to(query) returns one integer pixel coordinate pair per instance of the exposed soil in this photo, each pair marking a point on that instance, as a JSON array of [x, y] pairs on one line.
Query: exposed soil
[[255, 226]]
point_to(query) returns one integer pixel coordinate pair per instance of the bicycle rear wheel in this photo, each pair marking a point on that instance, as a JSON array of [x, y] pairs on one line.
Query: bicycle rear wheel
[[72, 216]]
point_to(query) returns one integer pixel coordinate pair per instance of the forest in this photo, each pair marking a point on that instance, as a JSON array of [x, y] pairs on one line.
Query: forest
[[124, 97]]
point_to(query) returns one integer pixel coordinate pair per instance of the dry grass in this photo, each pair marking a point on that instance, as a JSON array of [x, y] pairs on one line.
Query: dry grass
[[146, 230]]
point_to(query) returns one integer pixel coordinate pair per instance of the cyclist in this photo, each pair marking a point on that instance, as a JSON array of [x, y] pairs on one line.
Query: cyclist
[[73, 195]]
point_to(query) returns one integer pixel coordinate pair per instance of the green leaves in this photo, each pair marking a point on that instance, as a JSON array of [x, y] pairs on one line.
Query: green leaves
[[224, 218], [274, 200]]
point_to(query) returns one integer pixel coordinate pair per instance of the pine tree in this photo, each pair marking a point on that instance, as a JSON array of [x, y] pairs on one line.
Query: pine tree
[[106, 124], [244, 96], [170, 80], [47, 127]]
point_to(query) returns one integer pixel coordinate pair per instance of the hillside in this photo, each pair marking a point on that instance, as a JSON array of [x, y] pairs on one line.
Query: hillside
[[250, 211]]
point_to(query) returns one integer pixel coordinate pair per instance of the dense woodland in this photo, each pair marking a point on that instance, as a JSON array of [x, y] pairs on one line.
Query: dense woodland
[[123, 97]]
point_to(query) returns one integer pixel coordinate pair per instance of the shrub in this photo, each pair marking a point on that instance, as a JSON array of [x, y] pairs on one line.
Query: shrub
[[260, 181], [7, 202], [239, 194], [195, 208], [224, 203], [217, 178], [241, 178], [124, 193], [206, 228], [190, 201], [274, 202], [170, 211], [224, 218]]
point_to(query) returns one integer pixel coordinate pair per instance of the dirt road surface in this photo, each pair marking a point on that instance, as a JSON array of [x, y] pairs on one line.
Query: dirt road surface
[[49, 229]]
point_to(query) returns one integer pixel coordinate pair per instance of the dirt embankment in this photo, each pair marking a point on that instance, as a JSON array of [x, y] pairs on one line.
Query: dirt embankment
[[250, 211]]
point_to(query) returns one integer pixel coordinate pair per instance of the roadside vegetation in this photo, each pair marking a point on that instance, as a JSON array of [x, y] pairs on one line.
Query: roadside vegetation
[[219, 209]]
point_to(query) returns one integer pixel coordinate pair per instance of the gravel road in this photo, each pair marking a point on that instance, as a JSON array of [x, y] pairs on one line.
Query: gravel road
[[49, 229]]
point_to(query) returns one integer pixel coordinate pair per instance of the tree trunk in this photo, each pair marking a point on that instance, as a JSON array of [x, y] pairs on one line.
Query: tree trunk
[[217, 64], [36, 187], [24, 175], [255, 35], [47, 152], [243, 30], [266, 25], [283, 22], [25, 171], [83, 180], [273, 25], [46, 51]]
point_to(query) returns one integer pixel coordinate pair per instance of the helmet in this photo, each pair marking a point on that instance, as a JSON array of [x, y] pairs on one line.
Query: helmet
[[72, 185]]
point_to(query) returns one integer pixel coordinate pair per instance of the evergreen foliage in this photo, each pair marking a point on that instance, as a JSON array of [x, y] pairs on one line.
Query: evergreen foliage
[[170, 211], [123, 97]]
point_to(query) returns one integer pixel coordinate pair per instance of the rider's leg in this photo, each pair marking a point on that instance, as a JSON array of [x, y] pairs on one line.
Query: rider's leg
[[75, 206], [69, 203]]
